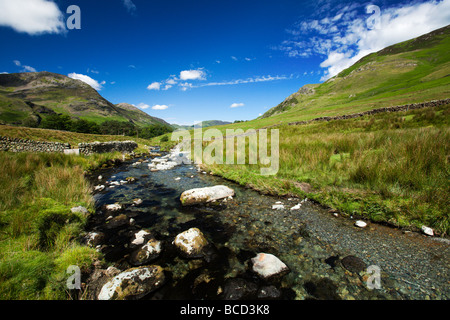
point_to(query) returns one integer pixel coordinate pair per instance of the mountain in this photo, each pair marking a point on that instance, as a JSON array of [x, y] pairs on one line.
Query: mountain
[[416, 70], [29, 97], [203, 124]]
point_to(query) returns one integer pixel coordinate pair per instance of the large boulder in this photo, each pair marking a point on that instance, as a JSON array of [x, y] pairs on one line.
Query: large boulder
[[191, 243], [133, 283], [204, 195]]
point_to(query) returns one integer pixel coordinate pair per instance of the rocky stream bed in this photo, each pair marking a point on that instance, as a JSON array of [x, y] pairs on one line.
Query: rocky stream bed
[[314, 254]]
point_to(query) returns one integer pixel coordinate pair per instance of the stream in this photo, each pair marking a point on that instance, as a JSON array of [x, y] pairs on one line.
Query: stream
[[327, 255]]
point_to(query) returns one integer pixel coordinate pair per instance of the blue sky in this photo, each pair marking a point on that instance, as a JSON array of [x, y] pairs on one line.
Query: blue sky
[[193, 60]]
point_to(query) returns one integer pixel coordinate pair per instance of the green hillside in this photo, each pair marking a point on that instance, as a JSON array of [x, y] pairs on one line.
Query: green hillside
[[28, 98], [413, 71]]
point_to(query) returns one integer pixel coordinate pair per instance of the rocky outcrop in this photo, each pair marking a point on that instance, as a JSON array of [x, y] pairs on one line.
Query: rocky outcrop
[[406, 107], [103, 147], [204, 195], [25, 145]]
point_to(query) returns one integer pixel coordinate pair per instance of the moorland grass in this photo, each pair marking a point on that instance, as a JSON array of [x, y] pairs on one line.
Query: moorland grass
[[390, 167], [39, 235]]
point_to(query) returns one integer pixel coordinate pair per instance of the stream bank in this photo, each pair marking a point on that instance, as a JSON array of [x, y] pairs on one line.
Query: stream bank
[[327, 256]]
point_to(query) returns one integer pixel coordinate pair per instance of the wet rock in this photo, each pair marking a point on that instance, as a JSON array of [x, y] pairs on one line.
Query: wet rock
[[267, 265], [205, 286], [323, 289], [239, 289], [117, 222], [428, 231], [204, 195], [332, 261], [133, 283], [113, 207], [268, 292], [353, 264], [94, 239], [137, 201], [99, 188], [191, 243], [141, 237], [147, 253]]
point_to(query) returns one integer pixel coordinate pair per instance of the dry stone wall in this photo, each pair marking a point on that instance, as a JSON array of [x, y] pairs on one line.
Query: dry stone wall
[[406, 107], [25, 145], [102, 147]]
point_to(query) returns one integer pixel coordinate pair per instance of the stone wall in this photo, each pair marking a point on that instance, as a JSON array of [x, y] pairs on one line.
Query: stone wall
[[25, 145], [406, 107], [102, 147]]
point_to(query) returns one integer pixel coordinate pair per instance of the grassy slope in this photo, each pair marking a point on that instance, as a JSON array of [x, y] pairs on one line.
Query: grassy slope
[[38, 233]]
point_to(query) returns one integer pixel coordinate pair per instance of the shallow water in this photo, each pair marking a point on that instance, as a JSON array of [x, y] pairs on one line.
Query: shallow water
[[310, 241]]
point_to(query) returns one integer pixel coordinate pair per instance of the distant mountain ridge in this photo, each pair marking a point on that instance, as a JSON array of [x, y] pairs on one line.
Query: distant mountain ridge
[[30, 97], [204, 124]]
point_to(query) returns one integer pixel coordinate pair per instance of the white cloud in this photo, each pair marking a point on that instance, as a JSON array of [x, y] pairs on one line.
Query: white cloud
[[345, 37], [171, 81], [244, 81], [143, 106], [192, 75], [24, 68], [32, 16], [131, 7], [28, 69], [86, 79], [185, 86], [236, 105], [154, 86], [234, 58], [160, 107]]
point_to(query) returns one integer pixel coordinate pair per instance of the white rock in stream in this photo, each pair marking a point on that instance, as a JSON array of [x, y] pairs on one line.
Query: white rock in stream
[[191, 243], [133, 283], [296, 207], [267, 265], [277, 207], [139, 237], [100, 187], [427, 230], [360, 224], [204, 195], [113, 207]]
